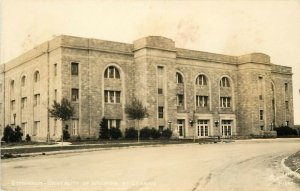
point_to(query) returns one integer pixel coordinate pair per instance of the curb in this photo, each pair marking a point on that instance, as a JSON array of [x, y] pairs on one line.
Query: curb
[[288, 170], [84, 150]]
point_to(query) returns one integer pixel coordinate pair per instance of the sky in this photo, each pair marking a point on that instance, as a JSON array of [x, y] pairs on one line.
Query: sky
[[233, 27]]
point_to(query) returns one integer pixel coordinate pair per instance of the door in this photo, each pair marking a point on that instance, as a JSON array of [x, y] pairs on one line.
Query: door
[[180, 126], [226, 128]]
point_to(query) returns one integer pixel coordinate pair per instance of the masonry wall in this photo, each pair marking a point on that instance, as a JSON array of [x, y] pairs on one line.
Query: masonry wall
[[249, 76]]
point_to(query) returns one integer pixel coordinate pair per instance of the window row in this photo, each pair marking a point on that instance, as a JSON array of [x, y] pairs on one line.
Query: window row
[[112, 96], [36, 79], [36, 102], [201, 80], [202, 101]]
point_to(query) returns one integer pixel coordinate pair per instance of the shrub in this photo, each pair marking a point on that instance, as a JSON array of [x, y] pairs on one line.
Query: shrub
[[115, 133], [155, 134], [66, 134], [28, 138], [131, 133], [145, 133], [285, 131], [18, 134], [166, 133], [78, 138], [104, 131], [8, 134]]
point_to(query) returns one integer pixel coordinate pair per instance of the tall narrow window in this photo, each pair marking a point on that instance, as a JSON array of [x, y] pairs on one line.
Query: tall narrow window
[[23, 81], [112, 72], [201, 80], [12, 104], [261, 114], [12, 85], [55, 94], [23, 102], [55, 69], [0, 87], [180, 100], [75, 94], [179, 78], [160, 112], [160, 91], [75, 125], [287, 105], [286, 87], [160, 79], [36, 128], [36, 76], [74, 68], [36, 100], [224, 82]]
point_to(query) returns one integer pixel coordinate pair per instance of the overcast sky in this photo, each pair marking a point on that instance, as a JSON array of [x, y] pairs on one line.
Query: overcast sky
[[233, 27]]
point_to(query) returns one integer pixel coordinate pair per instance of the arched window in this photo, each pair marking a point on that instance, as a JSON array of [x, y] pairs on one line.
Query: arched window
[[23, 81], [111, 72], [201, 80], [36, 76], [179, 78], [224, 82]]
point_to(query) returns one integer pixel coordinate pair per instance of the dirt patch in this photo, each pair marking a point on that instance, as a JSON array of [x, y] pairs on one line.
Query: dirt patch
[[293, 162]]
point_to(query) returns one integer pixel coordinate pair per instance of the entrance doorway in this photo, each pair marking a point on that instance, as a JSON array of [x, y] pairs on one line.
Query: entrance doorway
[[226, 128], [180, 127]]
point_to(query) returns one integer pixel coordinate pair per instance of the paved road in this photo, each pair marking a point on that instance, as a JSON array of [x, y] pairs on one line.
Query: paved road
[[242, 165]]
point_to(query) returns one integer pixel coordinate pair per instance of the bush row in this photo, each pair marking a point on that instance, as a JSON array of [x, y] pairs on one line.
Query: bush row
[[13, 135]]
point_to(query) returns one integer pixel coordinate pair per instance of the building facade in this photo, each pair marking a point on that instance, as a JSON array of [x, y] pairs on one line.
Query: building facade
[[196, 94]]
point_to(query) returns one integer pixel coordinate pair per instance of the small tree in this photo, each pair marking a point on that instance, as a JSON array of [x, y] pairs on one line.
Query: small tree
[[8, 134], [155, 134], [136, 111], [166, 133], [104, 131], [145, 133], [62, 111], [18, 134]]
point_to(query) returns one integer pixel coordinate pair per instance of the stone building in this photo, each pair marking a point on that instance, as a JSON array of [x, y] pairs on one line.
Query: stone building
[[195, 93]]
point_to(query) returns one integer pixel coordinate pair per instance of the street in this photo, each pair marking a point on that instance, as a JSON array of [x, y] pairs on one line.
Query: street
[[241, 165]]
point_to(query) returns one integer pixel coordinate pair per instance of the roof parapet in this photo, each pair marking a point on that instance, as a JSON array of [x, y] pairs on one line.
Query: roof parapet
[[255, 57], [155, 42]]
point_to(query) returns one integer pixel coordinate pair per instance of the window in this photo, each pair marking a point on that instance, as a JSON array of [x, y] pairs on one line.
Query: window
[[12, 104], [75, 123], [112, 96], [23, 102], [24, 128], [180, 100], [36, 128], [224, 82], [286, 87], [180, 127], [36, 76], [36, 100], [112, 72], [201, 80], [55, 69], [261, 114], [287, 105], [160, 128], [75, 94], [226, 127], [160, 70], [0, 87], [160, 112], [225, 102], [23, 81], [179, 78], [273, 104], [55, 94], [201, 101], [113, 123], [202, 126], [12, 85], [74, 68], [261, 127], [260, 97], [160, 91]]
